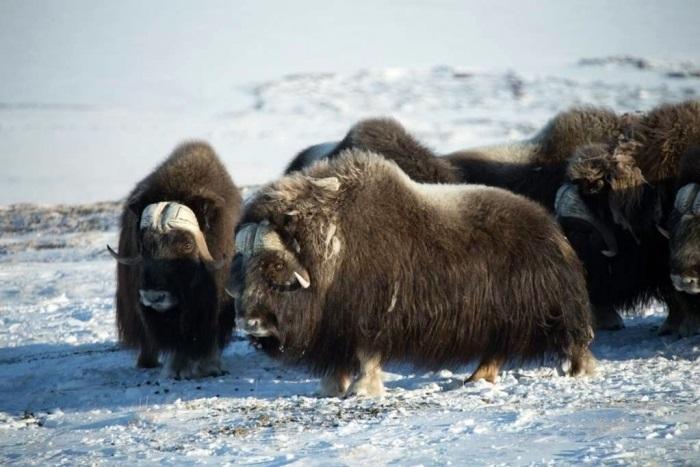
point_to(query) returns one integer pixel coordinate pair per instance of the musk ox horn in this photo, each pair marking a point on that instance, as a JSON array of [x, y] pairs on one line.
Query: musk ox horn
[[126, 260], [686, 198], [568, 203], [170, 215]]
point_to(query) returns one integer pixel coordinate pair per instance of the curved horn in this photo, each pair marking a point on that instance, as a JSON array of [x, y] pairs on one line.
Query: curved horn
[[126, 260], [568, 203], [245, 239], [686, 198]]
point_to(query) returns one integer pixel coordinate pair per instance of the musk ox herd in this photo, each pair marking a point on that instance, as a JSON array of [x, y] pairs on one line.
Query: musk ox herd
[[374, 248]]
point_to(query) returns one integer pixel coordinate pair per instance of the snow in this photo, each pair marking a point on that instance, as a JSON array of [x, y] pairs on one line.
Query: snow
[[95, 95]]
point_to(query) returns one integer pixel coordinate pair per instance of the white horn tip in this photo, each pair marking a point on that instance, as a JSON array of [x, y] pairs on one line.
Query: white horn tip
[[305, 283]]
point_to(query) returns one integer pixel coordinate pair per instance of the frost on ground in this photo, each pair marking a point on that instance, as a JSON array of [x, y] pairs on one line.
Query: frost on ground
[[70, 395]]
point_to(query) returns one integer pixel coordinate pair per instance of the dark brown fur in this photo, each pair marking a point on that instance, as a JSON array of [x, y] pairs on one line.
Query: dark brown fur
[[193, 176], [536, 168], [471, 272], [389, 138]]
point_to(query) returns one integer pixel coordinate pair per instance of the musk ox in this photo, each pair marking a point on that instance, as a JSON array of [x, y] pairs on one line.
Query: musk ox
[[387, 137], [610, 214], [641, 179], [534, 168], [351, 264], [175, 251]]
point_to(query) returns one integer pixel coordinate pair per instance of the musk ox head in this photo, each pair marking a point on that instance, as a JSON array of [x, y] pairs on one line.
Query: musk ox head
[[172, 249], [286, 252], [607, 194], [685, 240]]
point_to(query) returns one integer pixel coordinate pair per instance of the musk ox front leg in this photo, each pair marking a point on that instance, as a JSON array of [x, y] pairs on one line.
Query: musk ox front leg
[[180, 365], [369, 380], [148, 356], [582, 362]]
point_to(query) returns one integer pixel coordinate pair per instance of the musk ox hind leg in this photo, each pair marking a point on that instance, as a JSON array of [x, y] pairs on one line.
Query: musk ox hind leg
[[583, 363], [488, 369], [335, 384], [608, 319], [369, 380]]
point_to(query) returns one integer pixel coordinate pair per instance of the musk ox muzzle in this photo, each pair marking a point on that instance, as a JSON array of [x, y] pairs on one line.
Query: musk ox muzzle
[[159, 300], [569, 204]]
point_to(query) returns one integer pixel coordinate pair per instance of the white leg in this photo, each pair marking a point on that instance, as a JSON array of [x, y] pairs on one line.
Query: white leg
[[369, 381]]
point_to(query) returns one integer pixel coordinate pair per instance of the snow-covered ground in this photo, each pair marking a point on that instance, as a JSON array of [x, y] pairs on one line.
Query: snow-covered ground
[[69, 395], [93, 95]]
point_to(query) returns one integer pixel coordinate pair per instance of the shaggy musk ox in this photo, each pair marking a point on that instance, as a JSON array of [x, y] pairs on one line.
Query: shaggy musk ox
[[175, 250], [350, 264], [534, 168], [631, 187]]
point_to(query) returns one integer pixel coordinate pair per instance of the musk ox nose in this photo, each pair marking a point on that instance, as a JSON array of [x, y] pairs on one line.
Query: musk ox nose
[[687, 284], [253, 326], [159, 300]]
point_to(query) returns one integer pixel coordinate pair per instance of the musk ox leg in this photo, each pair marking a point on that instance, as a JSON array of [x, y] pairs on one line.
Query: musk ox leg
[[673, 321], [608, 319], [582, 363], [148, 357], [488, 369], [334, 385], [369, 381], [181, 366], [690, 325]]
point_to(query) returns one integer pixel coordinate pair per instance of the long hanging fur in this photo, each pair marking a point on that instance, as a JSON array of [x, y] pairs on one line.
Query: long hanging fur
[[429, 274]]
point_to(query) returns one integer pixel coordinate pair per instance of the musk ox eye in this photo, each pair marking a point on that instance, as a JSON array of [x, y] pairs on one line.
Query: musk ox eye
[[278, 266]]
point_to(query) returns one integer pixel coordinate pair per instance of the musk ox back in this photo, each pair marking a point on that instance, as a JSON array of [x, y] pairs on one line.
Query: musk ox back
[[387, 137], [175, 250], [351, 263]]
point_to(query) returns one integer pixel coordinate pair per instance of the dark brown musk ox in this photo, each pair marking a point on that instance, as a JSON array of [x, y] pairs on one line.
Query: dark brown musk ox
[[350, 264], [534, 168], [175, 251], [632, 186]]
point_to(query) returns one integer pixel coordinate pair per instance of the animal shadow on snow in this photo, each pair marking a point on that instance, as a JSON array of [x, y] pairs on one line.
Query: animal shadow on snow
[[44, 377]]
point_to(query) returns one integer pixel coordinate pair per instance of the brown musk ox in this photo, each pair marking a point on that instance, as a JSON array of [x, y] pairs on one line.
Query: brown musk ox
[[350, 264], [534, 168], [641, 187], [175, 250]]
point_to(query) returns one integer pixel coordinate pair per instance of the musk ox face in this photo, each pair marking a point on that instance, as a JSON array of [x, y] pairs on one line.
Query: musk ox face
[[685, 240], [608, 192], [274, 288], [264, 270], [172, 252]]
